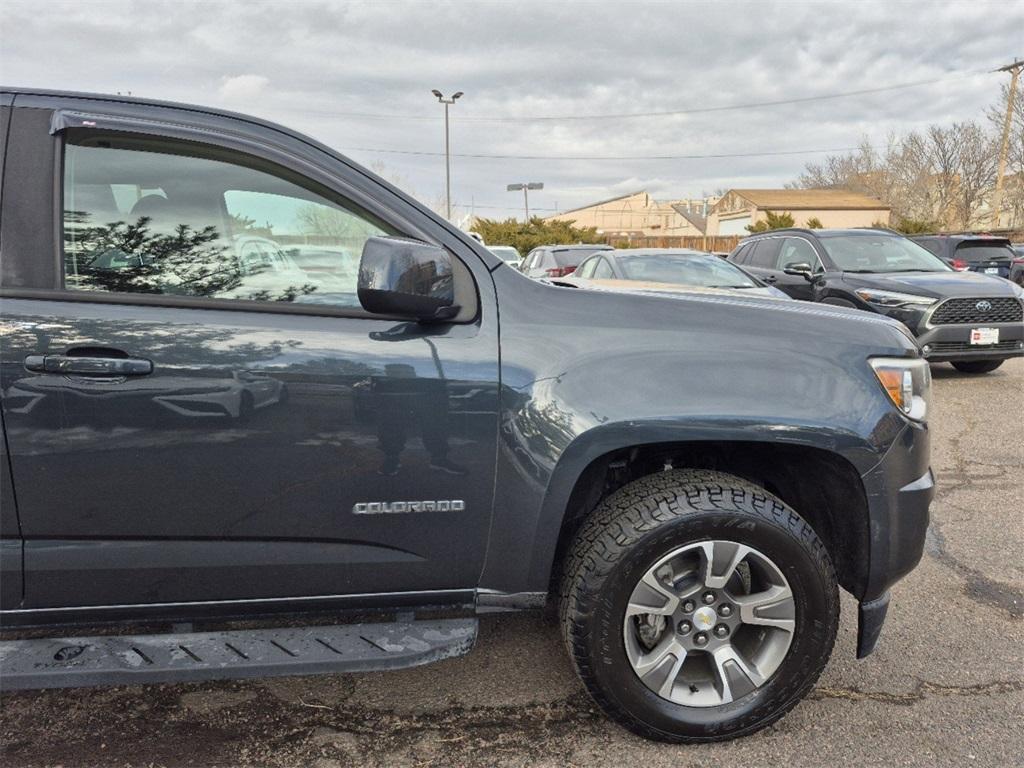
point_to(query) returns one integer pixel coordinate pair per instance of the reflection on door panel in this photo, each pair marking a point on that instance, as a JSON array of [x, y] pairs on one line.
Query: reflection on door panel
[[232, 471]]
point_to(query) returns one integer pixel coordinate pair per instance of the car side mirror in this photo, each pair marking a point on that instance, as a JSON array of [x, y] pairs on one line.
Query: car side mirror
[[799, 268], [406, 278]]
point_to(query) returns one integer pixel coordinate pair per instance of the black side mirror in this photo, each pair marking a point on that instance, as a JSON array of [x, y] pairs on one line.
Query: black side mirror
[[406, 278], [799, 268]]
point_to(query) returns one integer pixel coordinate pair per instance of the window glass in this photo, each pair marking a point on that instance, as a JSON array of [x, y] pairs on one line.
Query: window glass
[[587, 268], [141, 217], [873, 253], [603, 270], [682, 268], [570, 257], [796, 250], [741, 254], [976, 252], [935, 246], [765, 253]]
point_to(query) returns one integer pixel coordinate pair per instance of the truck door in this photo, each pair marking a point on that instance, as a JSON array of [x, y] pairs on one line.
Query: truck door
[[10, 532], [198, 409]]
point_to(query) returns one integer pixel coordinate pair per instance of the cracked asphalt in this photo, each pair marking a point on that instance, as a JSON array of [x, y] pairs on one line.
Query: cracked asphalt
[[944, 687]]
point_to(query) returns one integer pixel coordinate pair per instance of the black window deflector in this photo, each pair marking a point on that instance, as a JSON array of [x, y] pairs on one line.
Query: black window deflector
[[64, 119]]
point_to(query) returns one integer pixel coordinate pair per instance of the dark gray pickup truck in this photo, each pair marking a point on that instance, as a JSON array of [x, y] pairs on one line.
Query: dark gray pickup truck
[[244, 378]]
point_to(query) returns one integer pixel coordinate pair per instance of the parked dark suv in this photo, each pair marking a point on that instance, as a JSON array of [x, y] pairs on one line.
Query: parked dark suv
[[435, 436], [974, 321], [971, 253]]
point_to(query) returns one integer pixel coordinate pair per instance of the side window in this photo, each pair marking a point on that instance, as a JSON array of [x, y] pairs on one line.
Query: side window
[[743, 253], [932, 245], [587, 268], [153, 217], [603, 270], [796, 250], [765, 253], [534, 258]]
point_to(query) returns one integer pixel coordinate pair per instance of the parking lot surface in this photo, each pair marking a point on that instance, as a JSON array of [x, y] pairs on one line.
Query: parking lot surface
[[944, 687]]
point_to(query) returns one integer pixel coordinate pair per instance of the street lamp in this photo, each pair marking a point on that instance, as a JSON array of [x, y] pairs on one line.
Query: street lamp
[[526, 199], [447, 155]]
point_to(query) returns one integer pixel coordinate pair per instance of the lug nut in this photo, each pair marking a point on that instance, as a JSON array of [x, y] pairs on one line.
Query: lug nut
[[709, 598], [688, 606], [685, 627], [721, 631], [725, 610], [700, 638]]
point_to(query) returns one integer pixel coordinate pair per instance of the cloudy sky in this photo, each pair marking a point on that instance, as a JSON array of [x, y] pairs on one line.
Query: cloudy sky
[[545, 84]]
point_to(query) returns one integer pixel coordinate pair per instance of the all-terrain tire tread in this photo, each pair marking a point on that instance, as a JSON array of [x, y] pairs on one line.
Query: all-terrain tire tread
[[623, 518]]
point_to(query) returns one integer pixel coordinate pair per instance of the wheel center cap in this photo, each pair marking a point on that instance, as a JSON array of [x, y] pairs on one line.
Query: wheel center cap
[[704, 618]]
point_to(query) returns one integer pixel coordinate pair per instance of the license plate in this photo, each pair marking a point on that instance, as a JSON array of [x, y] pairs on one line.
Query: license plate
[[991, 270], [984, 335]]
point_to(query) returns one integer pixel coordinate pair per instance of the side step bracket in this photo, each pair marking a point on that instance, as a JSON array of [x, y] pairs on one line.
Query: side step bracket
[[185, 657]]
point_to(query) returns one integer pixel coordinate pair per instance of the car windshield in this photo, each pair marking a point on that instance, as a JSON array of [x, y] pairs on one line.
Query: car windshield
[[505, 252], [702, 270], [571, 257], [978, 252], [880, 253]]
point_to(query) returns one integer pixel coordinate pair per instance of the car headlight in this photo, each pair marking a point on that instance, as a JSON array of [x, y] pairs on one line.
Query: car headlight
[[893, 299], [907, 381]]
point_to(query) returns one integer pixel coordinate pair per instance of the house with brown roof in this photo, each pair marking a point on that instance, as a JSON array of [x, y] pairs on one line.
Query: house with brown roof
[[638, 214], [834, 208]]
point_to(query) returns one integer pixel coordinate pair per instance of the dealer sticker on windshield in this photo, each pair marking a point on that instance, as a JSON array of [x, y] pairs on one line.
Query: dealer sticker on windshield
[[984, 335]]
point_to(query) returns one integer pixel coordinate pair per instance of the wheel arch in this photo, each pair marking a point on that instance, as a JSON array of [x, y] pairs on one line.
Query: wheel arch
[[821, 484]]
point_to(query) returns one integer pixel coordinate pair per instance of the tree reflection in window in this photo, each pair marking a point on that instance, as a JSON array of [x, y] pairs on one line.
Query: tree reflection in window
[[203, 222]]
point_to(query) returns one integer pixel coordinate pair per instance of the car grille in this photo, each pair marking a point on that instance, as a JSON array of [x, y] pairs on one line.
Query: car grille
[[952, 347], [966, 311]]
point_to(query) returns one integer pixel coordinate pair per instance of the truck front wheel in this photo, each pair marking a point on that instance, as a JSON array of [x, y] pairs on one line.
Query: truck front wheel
[[697, 606]]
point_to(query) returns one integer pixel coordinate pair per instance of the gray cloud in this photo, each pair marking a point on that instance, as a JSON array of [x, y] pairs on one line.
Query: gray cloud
[[312, 65]]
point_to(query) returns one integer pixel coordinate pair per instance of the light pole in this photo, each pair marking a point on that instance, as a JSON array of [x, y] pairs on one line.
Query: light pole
[[447, 155], [526, 198]]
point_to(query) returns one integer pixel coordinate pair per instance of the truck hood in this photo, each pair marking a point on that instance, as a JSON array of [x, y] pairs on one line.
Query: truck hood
[[937, 285]]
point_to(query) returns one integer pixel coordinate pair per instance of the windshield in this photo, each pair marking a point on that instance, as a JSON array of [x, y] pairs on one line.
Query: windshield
[[702, 270], [571, 257], [978, 252], [880, 253]]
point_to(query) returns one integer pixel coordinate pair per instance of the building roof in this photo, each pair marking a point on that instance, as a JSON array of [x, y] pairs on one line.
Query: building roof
[[694, 218], [809, 199], [599, 202]]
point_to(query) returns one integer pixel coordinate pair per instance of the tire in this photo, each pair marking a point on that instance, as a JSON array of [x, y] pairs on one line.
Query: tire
[[628, 535], [246, 408], [976, 366]]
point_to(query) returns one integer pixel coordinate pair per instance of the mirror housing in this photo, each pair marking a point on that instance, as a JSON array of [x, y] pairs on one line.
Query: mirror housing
[[799, 268], [406, 278]]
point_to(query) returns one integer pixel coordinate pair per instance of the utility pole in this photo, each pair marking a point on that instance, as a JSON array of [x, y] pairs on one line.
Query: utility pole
[[997, 198], [447, 153], [526, 198]]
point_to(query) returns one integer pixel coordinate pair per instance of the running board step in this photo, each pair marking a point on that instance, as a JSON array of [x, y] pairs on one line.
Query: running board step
[[69, 662]]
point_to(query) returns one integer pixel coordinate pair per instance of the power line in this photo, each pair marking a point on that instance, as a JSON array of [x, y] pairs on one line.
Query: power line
[[659, 113], [600, 157]]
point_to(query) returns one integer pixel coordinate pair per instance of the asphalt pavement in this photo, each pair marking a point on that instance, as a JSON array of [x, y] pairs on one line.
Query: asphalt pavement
[[944, 688]]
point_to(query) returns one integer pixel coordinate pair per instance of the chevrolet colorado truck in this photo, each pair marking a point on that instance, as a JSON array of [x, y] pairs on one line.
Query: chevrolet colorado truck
[[225, 459]]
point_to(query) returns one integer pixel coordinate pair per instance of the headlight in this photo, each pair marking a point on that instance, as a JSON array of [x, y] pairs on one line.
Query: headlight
[[908, 382], [893, 299]]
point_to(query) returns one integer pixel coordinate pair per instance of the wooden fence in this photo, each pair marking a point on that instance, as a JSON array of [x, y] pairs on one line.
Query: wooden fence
[[715, 243]]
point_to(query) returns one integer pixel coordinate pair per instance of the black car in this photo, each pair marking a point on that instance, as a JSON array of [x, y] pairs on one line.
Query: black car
[[1017, 268], [193, 436], [971, 253], [972, 320], [557, 260]]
